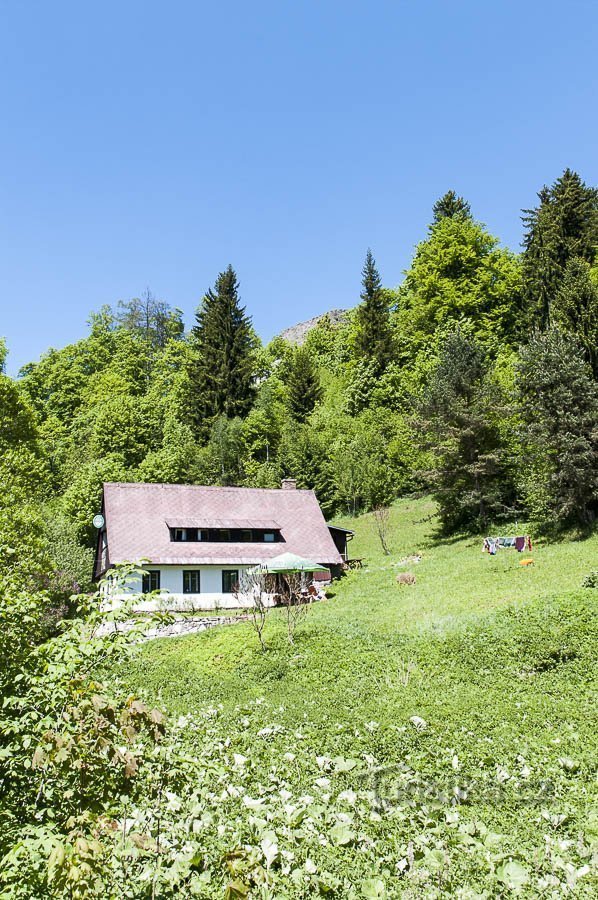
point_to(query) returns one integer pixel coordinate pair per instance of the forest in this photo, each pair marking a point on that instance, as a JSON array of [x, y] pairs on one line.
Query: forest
[[474, 381]]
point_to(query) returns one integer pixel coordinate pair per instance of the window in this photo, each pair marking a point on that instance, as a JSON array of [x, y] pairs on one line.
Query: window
[[191, 582], [224, 535], [151, 581], [230, 581]]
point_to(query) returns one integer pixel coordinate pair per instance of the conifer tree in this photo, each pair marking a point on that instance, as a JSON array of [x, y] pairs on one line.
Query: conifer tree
[[559, 406], [303, 384], [450, 206], [575, 307], [221, 374], [458, 421], [374, 339], [564, 225]]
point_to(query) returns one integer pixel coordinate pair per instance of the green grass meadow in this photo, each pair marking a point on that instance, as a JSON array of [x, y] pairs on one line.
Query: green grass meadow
[[457, 714]]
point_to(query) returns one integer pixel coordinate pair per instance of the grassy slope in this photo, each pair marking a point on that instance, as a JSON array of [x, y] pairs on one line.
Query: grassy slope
[[496, 658]]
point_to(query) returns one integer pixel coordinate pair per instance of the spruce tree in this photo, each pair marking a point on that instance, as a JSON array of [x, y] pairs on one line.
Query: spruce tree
[[559, 407], [374, 340], [221, 374], [575, 308], [563, 226], [450, 206], [303, 384], [458, 421]]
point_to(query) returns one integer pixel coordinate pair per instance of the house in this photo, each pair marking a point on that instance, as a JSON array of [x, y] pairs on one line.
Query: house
[[194, 541]]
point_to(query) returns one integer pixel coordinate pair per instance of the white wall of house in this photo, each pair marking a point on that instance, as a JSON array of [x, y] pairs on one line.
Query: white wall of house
[[171, 590]]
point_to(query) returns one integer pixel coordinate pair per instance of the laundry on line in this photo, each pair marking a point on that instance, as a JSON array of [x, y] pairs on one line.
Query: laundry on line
[[519, 543]]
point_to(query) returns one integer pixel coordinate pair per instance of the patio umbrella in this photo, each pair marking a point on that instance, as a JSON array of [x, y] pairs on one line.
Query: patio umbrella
[[289, 562]]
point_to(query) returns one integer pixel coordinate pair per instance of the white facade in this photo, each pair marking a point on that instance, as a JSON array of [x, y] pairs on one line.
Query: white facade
[[172, 596]]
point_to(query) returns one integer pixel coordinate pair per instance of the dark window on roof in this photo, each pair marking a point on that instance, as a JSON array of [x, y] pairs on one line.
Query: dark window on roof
[[230, 580], [225, 535], [151, 581], [185, 535], [191, 582]]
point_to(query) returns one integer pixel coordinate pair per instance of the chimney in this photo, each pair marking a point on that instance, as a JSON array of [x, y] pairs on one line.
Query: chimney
[[289, 484]]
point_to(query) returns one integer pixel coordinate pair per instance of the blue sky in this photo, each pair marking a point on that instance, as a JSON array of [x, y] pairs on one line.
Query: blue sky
[[150, 144]]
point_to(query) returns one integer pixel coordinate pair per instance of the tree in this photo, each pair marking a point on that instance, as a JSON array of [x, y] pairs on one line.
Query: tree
[[459, 421], [373, 334], [381, 521], [176, 461], [459, 276], [564, 225], [224, 344], [304, 455], [559, 409], [303, 384], [575, 307], [153, 319], [252, 586], [226, 450], [450, 206]]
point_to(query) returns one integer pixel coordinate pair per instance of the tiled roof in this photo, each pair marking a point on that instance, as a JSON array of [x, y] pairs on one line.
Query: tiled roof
[[233, 522], [138, 518]]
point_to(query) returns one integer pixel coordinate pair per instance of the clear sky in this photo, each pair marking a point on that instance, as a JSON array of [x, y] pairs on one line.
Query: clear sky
[[150, 144]]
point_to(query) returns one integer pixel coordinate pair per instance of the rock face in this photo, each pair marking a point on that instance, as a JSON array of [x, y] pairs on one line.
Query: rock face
[[296, 334]]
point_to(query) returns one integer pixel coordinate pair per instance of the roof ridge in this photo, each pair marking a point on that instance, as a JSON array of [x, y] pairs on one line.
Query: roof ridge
[[205, 487]]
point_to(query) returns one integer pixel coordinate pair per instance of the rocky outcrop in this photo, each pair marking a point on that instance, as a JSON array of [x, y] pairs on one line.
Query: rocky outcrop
[[296, 334]]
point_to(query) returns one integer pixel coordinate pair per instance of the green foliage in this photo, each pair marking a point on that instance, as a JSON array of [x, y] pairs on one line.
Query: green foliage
[[71, 564], [304, 456], [303, 384], [224, 344], [17, 421], [450, 206], [564, 226], [178, 459], [153, 319], [459, 274], [470, 477], [575, 307], [559, 406], [81, 500], [373, 338], [70, 754]]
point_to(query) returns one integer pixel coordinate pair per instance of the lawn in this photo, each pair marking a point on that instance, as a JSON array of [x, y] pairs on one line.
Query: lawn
[[443, 733]]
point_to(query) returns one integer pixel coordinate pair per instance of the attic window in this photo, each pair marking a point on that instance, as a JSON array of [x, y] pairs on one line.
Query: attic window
[[226, 535], [184, 535]]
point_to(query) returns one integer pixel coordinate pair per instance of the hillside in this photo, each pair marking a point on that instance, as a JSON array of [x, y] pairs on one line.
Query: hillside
[[417, 741]]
